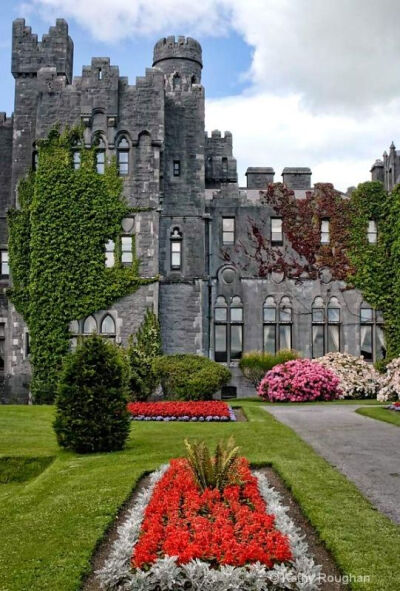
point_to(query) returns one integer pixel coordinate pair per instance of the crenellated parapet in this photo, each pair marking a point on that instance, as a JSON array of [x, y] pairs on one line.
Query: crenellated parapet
[[30, 55], [220, 165], [181, 55]]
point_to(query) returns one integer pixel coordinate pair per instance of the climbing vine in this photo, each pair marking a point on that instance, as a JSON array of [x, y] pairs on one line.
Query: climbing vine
[[57, 257]]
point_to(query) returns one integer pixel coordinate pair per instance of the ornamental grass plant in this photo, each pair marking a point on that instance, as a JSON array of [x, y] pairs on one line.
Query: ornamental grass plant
[[213, 471], [255, 364]]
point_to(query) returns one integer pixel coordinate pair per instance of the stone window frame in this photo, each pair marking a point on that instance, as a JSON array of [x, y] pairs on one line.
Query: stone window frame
[[325, 229], [318, 320], [78, 330], [109, 253], [228, 234], [327, 320], [227, 323], [276, 236], [4, 263], [372, 231], [99, 142], [176, 168], [269, 323], [374, 323], [176, 248], [285, 323], [123, 149]]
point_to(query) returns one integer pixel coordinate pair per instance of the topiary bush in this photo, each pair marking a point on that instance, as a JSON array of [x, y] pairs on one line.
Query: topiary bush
[[300, 380], [92, 397], [358, 379], [142, 350], [255, 364], [190, 377]]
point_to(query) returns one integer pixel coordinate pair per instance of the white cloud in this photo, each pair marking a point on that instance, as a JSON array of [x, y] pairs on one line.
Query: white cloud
[[323, 82]]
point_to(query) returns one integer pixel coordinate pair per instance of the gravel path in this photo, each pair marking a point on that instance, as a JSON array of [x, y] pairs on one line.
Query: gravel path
[[367, 451]]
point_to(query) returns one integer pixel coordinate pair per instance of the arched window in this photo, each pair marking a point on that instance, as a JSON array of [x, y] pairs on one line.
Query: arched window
[[110, 253], [107, 327], [100, 153], [372, 338], [269, 317], [89, 326], [236, 329], [123, 156], [318, 327], [285, 323], [333, 328], [228, 329], [176, 249], [176, 82]]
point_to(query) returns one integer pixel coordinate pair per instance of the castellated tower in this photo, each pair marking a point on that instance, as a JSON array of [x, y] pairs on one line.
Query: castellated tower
[[182, 224]]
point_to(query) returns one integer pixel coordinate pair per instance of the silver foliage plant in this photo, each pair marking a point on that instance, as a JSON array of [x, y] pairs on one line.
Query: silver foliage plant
[[301, 574]]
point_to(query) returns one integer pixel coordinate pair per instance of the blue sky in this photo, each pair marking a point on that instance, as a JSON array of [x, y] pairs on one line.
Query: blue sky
[[298, 82]]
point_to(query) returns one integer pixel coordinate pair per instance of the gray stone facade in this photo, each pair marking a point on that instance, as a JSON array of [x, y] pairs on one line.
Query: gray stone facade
[[196, 215]]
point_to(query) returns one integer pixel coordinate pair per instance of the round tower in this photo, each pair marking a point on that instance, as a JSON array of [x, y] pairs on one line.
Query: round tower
[[182, 55]]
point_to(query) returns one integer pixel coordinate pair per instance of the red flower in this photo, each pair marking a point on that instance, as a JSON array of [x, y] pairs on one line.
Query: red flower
[[170, 408], [231, 527]]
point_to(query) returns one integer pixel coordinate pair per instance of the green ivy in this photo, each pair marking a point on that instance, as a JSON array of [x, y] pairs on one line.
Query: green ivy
[[377, 266], [57, 258]]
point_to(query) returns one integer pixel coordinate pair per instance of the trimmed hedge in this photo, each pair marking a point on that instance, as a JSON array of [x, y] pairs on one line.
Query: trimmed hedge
[[190, 377], [254, 365], [92, 398]]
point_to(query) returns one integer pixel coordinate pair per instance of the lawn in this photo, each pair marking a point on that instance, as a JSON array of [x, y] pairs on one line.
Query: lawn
[[51, 523], [381, 414]]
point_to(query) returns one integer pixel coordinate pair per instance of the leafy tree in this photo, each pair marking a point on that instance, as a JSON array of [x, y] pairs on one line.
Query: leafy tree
[[142, 350]]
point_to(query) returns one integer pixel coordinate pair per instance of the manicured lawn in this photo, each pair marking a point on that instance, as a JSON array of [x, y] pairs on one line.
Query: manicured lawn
[[50, 524], [381, 414]]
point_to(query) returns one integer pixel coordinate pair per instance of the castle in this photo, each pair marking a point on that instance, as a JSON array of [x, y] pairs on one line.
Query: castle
[[195, 226]]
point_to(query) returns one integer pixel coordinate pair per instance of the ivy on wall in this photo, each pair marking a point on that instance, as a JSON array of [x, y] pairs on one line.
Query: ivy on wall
[[57, 258]]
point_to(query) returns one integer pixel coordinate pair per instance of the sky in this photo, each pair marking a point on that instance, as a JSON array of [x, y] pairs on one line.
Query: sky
[[298, 82]]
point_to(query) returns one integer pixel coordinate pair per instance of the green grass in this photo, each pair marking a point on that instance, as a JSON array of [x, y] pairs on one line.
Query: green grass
[[21, 469], [381, 414], [50, 525]]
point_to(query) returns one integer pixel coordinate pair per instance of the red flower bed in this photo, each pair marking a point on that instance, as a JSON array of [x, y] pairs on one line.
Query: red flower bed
[[211, 408], [231, 527]]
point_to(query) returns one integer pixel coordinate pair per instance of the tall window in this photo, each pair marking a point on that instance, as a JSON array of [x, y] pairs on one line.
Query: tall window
[[110, 253], [177, 168], [126, 250], [176, 249], [100, 154], [285, 324], [269, 313], [4, 265], [228, 329], [228, 230], [35, 160], [318, 328], [333, 328], [123, 156], [76, 159], [224, 168], [176, 82], [89, 326], [2, 346], [372, 339], [276, 231], [107, 327], [325, 238], [372, 233]]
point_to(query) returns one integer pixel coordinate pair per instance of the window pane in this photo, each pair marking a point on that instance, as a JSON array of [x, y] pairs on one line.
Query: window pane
[[236, 341], [324, 231], [236, 314], [100, 162], [123, 143], [108, 325], [177, 167], [269, 314], [269, 338], [372, 232], [318, 315], [176, 260], [89, 325], [228, 224], [126, 243], [221, 314], [285, 314], [317, 341], [175, 246], [366, 342], [228, 237], [333, 314], [110, 259], [126, 257], [333, 338], [380, 343], [276, 229], [220, 342], [285, 336], [5, 269], [77, 160], [366, 315]]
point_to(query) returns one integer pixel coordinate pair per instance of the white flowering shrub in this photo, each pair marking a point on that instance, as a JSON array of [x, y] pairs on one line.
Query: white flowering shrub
[[390, 382], [358, 379]]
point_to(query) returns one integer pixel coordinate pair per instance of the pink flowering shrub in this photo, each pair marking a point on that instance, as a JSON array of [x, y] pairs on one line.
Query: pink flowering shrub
[[300, 380]]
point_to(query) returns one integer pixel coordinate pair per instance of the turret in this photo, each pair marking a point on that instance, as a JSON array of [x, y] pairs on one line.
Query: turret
[[182, 55], [54, 50], [377, 171]]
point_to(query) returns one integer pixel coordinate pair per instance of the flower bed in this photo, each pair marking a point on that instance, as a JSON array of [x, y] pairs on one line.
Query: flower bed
[[213, 410], [300, 380], [177, 537]]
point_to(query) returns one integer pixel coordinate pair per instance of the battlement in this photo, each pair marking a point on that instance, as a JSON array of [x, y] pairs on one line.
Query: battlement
[[5, 121], [184, 48], [54, 50]]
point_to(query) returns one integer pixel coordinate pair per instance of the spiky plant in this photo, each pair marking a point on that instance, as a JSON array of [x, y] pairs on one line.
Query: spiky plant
[[213, 471]]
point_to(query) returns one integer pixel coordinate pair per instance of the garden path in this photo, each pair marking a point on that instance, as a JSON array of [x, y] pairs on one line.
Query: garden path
[[365, 450]]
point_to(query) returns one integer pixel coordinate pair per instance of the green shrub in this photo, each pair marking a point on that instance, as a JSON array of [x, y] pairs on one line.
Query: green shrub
[[190, 377], [142, 351], [92, 397], [254, 365]]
